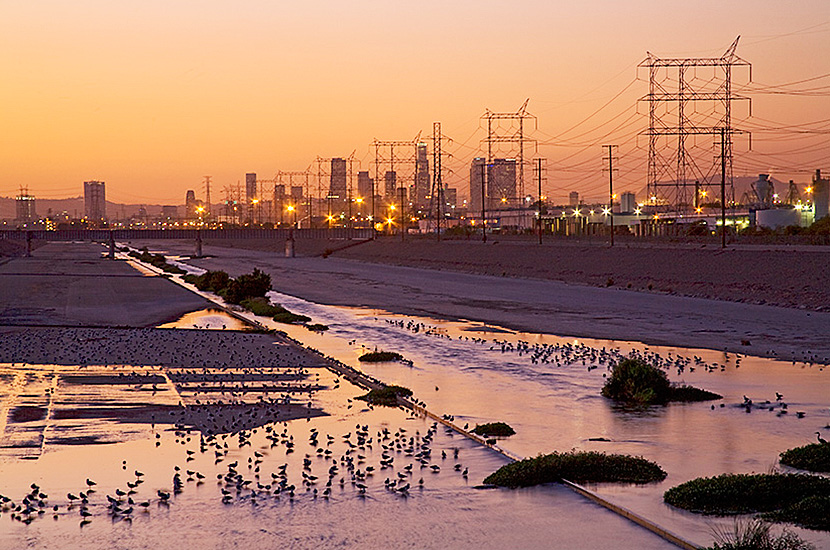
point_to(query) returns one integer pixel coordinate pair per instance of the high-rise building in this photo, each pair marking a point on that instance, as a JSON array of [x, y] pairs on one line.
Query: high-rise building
[[250, 188], [25, 207], [337, 185], [422, 188], [95, 201], [297, 193], [365, 186], [194, 208], [390, 184], [450, 198], [501, 183], [476, 185], [280, 202], [573, 199]]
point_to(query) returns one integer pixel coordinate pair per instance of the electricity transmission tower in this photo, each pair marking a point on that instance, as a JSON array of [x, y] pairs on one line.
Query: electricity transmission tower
[[400, 153], [509, 129], [687, 98], [437, 201]]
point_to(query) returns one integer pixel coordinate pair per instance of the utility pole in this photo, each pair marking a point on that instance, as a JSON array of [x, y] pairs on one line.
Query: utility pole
[[723, 187], [610, 159], [437, 184], [538, 170], [483, 207]]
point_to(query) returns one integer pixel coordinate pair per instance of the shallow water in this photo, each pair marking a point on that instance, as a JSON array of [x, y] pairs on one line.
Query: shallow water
[[559, 407], [207, 319], [444, 511]]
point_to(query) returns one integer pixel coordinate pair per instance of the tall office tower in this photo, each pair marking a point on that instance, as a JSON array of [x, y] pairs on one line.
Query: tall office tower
[[337, 185], [364, 186], [422, 188], [250, 188], [25, 207], [95, 201], [501, 183], [573, 198], [390, 184], [450, 198], [476, 185], [297, 193]]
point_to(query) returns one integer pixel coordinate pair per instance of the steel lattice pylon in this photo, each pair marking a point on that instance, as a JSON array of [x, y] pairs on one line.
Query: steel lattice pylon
[[679, 105]]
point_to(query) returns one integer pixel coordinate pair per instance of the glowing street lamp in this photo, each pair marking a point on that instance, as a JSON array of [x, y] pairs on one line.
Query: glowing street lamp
[[293, 211]]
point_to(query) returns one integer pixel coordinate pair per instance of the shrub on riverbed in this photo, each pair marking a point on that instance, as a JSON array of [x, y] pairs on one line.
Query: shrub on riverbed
[[781, 495], [210, 281], [635, 382], [249, 285], [494, 429], [380, 356], [317, 327], [579, 467], [386, 396], [813, 458]]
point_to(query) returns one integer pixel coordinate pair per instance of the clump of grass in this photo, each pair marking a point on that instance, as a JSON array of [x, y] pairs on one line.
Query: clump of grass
[[317, 327], [494, 429], [783, 495], [386, 396], [260, 306], [813, 458], [755, 535], [380, 356], [635, 382], [580, 467], [157, 260]]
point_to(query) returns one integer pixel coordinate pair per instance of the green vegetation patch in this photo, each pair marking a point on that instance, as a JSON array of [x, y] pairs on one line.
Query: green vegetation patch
[[317, 327], [579, 467], [386, 396], [813, 458], [812, 512], [494, 429], [638, 383], [380, 356], [745, 493], [288, 318], [249, 285]]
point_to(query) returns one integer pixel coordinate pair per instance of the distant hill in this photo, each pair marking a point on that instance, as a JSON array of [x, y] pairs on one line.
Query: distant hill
[[74, 206]]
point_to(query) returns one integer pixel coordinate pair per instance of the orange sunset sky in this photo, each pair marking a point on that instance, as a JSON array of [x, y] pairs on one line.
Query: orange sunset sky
[[151, 96]]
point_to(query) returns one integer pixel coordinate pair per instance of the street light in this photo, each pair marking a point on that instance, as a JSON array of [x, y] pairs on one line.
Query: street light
[[294, 211]]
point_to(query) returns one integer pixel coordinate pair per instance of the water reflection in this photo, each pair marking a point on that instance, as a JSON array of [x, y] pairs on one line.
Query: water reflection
[[210, 319], [559, 407]]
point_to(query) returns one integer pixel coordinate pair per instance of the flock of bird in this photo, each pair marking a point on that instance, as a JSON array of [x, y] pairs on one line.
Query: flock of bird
[[347, 465]]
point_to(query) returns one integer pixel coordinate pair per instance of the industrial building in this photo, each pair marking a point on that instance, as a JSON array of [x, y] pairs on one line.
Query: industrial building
[[476, 184]]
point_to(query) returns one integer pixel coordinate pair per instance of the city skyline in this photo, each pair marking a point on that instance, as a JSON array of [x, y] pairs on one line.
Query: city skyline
[[193, 89]]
